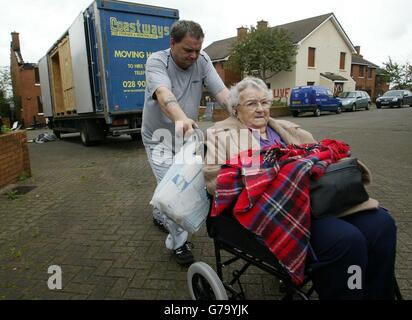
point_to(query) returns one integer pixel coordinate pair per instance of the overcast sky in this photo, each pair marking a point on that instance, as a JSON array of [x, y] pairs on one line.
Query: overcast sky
[[382, 28]]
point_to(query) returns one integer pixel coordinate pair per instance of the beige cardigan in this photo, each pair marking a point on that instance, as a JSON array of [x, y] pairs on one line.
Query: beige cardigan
[[228, 130]]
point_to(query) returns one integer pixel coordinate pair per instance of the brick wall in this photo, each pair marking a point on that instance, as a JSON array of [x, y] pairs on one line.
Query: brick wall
[[14, 157], [24, 86], [15, 73], [29, 93], [220, 71], [364, 83], [227, 73]]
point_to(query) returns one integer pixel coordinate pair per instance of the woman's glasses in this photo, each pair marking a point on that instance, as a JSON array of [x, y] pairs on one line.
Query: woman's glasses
[[254, 104]]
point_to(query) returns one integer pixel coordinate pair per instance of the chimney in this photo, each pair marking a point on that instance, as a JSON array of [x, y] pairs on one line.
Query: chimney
[[15, 41], [357, 48], [262, 24], [241, 32]]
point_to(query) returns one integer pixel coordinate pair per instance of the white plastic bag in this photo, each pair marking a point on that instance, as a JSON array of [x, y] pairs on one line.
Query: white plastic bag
[[182, 194]]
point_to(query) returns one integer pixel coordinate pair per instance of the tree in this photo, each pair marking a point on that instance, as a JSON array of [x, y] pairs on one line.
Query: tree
[[264, 52], [398, 74], [4, 107], [5, 81], [5, 92]]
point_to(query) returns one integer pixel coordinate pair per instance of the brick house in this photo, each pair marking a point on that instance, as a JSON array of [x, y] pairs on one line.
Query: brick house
[[324, 55], [367, 75], [218, 52], [26, 85], [381, 84]]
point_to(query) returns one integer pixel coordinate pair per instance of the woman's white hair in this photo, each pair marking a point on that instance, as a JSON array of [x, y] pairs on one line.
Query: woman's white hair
[[248, 82]]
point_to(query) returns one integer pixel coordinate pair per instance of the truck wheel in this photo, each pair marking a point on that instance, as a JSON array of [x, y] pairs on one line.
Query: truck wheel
[[316, 112], [57, 134], [91, 133], [84, 136], [136, 136], [295, 113]]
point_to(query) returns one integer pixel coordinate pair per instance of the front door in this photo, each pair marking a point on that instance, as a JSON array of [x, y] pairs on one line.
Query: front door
[[338, 88]]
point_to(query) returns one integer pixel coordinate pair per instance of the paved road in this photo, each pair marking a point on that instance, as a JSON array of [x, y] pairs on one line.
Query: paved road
[[90, 214]]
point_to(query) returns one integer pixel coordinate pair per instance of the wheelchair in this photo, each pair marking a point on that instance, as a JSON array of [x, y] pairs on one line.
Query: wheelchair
[[231, 237]]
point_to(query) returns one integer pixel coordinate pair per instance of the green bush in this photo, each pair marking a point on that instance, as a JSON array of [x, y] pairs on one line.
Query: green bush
[[4, 129], [278, 103], [12, 194], [24, 176]]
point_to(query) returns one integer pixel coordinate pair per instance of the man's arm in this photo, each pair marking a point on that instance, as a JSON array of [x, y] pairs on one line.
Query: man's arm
[[223, 98], [169, 105]]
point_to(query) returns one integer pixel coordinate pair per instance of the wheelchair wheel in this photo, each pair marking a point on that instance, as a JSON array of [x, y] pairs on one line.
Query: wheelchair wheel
[[204, 283]]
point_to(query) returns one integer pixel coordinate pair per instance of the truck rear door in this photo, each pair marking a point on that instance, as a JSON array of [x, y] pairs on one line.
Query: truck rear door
[[297, 97]]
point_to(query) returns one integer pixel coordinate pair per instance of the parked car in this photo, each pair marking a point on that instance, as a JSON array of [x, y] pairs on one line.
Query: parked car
[[314, 99], [353, 100], [394, 98]]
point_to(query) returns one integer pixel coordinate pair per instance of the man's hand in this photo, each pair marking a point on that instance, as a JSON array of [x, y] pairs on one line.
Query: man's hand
[[185, 126]]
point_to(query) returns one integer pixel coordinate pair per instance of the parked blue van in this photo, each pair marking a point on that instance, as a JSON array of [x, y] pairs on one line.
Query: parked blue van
[[314, 99]]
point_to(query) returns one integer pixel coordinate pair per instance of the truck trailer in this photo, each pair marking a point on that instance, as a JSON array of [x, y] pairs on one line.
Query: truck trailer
[[93, 77]]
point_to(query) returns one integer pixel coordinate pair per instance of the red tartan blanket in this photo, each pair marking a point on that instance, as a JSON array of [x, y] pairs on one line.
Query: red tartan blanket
[[272, 199]]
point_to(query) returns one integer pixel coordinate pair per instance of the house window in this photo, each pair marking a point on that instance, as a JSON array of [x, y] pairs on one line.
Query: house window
[[39, 105], [342, 60], [370, 73], [36, 75], [361, 71], [311, 57]]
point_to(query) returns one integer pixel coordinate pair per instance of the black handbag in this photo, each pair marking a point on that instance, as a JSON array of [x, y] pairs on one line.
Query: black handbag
[[339, 188]]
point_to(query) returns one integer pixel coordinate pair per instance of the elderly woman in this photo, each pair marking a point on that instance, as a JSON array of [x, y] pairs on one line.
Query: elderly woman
[[363, 239]]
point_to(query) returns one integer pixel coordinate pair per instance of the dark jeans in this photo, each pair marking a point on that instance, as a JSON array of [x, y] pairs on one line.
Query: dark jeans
[[366, 239]]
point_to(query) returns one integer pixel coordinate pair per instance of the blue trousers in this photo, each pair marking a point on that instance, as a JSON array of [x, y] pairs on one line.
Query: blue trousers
[[367, 240]]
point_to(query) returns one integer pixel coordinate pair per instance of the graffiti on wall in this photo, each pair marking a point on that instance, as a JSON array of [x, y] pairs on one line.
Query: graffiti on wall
[[280, 94]]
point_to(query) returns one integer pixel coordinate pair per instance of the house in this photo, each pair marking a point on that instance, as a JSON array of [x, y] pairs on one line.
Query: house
[[26, 86], [368, 76], [324, 55]]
